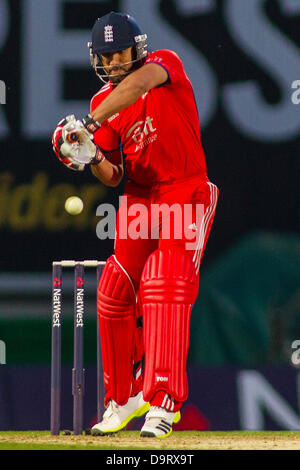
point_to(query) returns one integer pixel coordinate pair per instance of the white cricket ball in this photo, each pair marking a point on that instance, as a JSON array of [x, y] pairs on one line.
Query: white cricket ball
[[74, 205]]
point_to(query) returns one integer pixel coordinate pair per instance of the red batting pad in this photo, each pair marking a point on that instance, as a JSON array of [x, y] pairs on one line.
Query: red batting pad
[[116, 305], [169, 287]]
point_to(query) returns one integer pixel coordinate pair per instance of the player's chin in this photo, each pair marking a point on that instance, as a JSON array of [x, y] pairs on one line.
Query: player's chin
[[118, 77]]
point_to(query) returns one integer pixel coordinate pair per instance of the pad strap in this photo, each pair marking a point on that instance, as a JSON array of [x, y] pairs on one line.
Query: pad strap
[[91, 125]]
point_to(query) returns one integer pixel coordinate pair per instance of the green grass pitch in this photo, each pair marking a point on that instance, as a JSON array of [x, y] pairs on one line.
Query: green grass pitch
[[130, 440]]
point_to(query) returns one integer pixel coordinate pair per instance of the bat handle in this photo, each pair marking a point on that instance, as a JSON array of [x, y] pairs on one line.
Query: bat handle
[[73, 137]]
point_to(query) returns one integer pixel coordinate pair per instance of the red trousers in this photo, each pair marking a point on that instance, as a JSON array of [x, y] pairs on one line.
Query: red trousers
[[175, 215], [132, 254]]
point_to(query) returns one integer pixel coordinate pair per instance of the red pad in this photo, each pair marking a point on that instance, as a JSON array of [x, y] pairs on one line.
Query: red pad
[[169, 287], [116, 305]]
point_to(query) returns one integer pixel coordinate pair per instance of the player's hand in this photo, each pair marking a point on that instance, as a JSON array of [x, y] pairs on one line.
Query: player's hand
[[58, 141], [78, 144]]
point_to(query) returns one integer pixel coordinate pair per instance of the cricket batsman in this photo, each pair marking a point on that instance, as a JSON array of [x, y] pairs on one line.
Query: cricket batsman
[[144, 122]]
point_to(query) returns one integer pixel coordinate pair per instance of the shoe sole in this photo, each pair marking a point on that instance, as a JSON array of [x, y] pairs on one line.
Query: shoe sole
[[151, 434], [136, 414], [176, 420]]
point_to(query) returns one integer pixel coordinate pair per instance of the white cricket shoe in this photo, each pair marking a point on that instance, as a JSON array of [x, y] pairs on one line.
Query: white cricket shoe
[[116, 417], [158, 422]]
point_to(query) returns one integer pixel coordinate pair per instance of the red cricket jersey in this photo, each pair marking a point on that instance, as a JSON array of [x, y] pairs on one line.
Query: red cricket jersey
[[160, 132]]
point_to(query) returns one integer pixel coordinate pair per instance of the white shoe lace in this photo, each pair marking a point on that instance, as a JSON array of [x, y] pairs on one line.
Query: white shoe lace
[[112, 408]]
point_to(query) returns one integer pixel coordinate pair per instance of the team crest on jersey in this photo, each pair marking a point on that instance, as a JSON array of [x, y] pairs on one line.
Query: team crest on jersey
[[108, 33]]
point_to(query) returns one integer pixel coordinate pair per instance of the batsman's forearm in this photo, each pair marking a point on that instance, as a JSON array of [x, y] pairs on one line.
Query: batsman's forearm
[[125, 94], [107, 173]]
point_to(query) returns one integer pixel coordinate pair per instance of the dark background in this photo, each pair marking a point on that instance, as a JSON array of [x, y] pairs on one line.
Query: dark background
[[258, 180]]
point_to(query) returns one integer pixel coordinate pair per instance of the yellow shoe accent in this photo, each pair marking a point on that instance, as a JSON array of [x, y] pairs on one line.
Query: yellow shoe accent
[[165, 435], [136, 414]]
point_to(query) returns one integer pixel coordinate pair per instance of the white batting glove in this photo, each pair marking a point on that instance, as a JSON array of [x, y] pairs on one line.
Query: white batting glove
[[57, 142], [78, 144]]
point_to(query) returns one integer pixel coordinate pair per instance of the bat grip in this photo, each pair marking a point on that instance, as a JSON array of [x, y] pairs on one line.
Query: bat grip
[[73, 137]]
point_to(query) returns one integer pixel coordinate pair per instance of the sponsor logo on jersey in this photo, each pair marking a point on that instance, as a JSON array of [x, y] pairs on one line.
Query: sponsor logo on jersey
[[153, 59], [142, 133]]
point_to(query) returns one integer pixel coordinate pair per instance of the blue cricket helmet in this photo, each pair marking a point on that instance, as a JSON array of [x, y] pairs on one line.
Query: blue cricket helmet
[[116, 32]]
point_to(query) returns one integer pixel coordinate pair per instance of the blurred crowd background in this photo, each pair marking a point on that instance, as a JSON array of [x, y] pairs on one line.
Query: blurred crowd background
[[242, 57]]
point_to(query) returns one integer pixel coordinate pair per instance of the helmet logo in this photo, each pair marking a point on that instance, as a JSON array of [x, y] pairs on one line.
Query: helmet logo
[[108, 33]]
